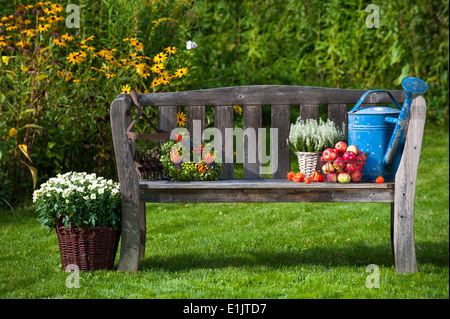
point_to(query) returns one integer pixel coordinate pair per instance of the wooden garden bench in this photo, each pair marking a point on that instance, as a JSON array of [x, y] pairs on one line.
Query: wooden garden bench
[[136, 192]]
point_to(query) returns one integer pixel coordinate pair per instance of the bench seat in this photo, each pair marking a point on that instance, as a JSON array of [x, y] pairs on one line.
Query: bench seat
[[262, 191]]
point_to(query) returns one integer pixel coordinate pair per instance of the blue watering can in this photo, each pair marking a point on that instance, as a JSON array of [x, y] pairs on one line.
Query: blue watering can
[[379, 130]]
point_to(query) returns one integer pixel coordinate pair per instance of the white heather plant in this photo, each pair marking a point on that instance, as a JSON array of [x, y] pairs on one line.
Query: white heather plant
[[313, 136], [82, 199]]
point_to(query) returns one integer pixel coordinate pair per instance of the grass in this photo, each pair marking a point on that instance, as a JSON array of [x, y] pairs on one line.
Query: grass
[[279, 251]]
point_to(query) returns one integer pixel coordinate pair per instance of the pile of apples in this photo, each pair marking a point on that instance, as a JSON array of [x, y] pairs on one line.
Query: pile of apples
[[343, 163]]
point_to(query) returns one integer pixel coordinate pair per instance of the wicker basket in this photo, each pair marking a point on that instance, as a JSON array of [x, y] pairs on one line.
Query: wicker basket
[[308, 162], [89, 248]]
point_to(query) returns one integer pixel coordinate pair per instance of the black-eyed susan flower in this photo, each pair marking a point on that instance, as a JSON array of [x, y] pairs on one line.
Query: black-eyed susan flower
[[154, 83], [157, 68], [160, 58], [181, 119], [67, 37], [42, 28], [59, 43], [69, 76], [110, 75], [181, 72], [171, 50], [126, 89], [73, 58], [87, 39]]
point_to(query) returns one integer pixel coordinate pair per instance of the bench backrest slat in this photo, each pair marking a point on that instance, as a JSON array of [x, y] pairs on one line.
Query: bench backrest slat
[[253, 121], [281, 121], [223, 119]]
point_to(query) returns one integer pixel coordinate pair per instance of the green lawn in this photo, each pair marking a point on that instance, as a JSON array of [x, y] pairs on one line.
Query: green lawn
[[252, 250]]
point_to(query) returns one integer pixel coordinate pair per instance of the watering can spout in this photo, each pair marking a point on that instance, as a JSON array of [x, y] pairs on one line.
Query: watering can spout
[[413, 87]]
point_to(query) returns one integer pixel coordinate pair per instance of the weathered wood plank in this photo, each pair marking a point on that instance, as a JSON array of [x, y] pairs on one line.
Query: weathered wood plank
[[265, 95], [338, 114], [267, 191], [129, 186], [256, 184], [167, 119], [223, 119], [309, 111], [143, 228], [280, 150], [252, 121], [405, 187], [195, 113]]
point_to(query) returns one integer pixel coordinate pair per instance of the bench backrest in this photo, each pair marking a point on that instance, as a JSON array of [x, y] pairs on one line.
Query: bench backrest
[[251, 99]]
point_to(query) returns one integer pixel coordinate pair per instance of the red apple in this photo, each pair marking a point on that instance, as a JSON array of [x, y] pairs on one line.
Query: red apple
[[353, 148], [350, 168], [356, 176], [329, 154], [349, 156], [340, 147], [338, 164], [328, 168], [322, 160], [344, 177], [332, 177], [359, 160], [208, 158]]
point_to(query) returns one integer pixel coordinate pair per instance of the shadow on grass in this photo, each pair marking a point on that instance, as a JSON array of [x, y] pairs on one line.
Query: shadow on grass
[[353, 256]]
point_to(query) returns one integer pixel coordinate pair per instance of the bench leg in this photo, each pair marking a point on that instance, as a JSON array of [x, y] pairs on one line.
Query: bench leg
[[402, 234], [131, 234], [392, 231], [143, 222]]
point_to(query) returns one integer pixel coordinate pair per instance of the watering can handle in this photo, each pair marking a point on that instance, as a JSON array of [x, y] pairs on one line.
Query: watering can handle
[[373, 91]]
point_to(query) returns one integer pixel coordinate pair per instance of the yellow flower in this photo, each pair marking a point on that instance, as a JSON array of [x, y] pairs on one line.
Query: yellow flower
[[76, 81], [154, 83], [164, 78], [3, 44], [12, 27], [87, 39], [110, 75], [23, 43], [157, 68], [31, 32], [59, 43], [76, 57], [160, 57], [88, 47], [67, 37], [171, 50], [237, 109], [5, 59], [57, 7], [12, 132], [180, 72], [126, 89], [42, 28], [69, 76], [181, 119], [49, 11]]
